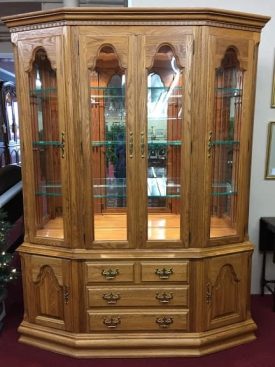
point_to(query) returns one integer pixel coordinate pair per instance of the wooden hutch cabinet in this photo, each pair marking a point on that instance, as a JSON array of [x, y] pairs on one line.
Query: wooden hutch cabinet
[[136, 129]]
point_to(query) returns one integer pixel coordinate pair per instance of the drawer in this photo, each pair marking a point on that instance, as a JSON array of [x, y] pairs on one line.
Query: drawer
[[133, 321], [137, 296], [109, 272], [165, 271]]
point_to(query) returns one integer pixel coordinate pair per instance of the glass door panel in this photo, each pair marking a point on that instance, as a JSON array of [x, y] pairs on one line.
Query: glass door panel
[[47, 148], [164, 141], [225, 146], [108, 132]]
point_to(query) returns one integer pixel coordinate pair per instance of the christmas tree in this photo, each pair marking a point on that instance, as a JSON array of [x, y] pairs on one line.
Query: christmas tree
[[7, 272]]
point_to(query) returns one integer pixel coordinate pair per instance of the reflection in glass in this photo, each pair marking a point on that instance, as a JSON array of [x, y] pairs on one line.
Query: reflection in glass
[[108, 131], [46, 148], [226, 145], [9, 129], [164, 134]]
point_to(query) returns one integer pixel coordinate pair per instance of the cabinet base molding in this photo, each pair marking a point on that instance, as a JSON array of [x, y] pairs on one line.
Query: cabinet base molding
[[134, 345]]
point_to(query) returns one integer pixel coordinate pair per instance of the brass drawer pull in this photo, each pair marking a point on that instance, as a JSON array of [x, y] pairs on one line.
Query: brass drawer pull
[[112, 322], [164, 297], [164, 322], [131, 144], [142, 144], [110, 274], [62, 144], [164, 273], [111, 298], [210, 144]]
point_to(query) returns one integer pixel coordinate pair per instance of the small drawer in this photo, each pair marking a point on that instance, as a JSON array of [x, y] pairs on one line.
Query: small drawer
[[109, 272], [165, 272], [134, 321], [137, 297]]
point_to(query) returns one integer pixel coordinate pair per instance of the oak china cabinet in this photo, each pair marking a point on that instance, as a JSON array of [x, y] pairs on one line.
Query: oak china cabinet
[[136, 129]]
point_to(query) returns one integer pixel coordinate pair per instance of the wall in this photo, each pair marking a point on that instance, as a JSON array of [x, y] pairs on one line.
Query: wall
[[262, 192]]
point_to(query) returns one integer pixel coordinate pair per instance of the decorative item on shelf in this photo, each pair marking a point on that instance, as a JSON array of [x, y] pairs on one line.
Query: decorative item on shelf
[[114, 135], [7, 272], [270, 152]]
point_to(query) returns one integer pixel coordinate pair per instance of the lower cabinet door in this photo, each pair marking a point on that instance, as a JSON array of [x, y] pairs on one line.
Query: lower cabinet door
[[227, 289], [47, 291], [138, 321]]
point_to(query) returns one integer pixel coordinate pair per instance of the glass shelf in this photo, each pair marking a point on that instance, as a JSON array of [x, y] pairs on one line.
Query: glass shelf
[[50, 190], [108, 88], [106, 96], [150, 143], [109, 92], [42, 143], [164, 88], [223, 189], [229, 92], [124, 196], [161, 117], [37, 92], [109, 143], [164, 142], [122, 89], [116, 187], [225, 142]]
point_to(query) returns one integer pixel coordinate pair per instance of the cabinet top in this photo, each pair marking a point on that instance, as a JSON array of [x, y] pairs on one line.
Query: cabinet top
[[136, 16]]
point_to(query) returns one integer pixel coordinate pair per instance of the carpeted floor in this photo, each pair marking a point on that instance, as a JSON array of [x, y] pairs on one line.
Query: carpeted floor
[[259, 353]]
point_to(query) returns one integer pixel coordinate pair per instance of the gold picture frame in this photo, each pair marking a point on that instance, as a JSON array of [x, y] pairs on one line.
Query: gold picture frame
[[273, 89], [270, 152]]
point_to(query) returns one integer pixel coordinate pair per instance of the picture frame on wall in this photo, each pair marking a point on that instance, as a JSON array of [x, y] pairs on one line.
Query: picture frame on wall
[[273, 89], [270, 152]]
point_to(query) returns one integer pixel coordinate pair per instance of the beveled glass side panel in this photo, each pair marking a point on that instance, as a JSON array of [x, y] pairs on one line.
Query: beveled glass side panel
[[225, 146], [108, 146], [164, 144], [47, 148]]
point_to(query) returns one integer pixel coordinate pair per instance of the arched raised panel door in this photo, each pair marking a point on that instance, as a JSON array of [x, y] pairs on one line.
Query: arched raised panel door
[[108, 75], [49, 289], [163, 129], [45, 140], [226, 289], [229, 138]]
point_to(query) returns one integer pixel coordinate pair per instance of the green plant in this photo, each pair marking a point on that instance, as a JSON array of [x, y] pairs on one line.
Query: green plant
[[7, 271]]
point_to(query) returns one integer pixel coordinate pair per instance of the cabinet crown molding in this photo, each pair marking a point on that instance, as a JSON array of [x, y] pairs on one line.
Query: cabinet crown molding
[[136, 16]]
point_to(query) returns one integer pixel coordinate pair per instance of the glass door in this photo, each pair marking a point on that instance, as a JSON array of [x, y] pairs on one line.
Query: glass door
[[111, 95], [165, 140], [224, 146], [164, 143], [108, 132], [48, 148]]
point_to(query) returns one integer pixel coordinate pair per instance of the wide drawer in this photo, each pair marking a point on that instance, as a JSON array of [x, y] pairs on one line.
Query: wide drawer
[[133, 321], [109, 272], [137, 296], [165, 271]]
